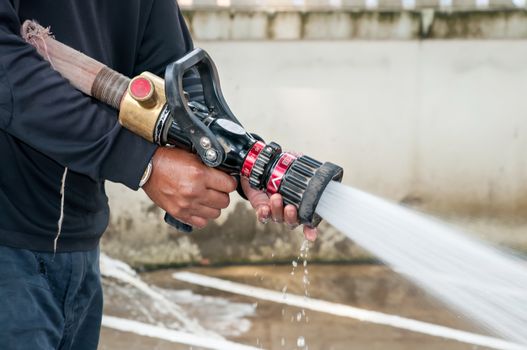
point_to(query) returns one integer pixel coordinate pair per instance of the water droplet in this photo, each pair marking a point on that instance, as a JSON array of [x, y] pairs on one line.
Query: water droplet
[[295, 264], [299, 317], [305, 279], [282, 341], [284, 289], [301, 342], [305, 263], [293, 273]]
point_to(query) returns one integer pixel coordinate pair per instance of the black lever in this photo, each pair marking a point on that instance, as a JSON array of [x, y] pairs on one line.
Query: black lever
[[178, 225], [202, 139]]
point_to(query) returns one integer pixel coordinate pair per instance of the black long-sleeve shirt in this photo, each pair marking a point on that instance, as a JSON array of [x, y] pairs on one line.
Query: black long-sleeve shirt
[[47, 125]]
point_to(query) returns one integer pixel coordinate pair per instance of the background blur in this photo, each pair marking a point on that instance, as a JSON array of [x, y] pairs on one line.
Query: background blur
[[423, 102]]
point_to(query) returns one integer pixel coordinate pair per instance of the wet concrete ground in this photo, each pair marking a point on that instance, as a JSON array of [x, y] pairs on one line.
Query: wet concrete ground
[[276, 326]]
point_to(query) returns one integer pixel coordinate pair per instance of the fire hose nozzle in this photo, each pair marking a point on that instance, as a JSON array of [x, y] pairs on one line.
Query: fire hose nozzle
[[300, 179], [315, 186]]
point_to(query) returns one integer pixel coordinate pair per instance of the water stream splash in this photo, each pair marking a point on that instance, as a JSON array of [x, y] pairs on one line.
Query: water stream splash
[[484, 283], [126, 292], [122, 272]]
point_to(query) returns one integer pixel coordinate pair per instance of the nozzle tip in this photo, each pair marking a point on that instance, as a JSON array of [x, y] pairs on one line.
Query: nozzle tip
[[316, 186]]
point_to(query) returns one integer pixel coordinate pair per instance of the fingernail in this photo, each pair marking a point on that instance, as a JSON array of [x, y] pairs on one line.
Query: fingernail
[[312, 236], [263, 218], [264, 214]]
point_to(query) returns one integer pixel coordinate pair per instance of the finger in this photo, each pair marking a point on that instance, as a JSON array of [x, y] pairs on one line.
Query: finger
[[198, 222], [310, 233], [205, 212], [256, 197], [263, 213], [290, 216], [185, 218], [259, 201], [277, 208], [219, 181], [215, 199]]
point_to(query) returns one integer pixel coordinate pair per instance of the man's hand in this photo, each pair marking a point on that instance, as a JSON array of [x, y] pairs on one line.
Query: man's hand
[[186, 188], [273, 207]]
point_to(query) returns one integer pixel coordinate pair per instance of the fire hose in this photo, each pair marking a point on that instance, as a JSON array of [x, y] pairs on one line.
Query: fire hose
[[161, 112]]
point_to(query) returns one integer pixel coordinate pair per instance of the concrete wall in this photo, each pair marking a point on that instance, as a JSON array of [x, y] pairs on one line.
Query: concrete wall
[[381, 24], [346, 5], [440, 125]]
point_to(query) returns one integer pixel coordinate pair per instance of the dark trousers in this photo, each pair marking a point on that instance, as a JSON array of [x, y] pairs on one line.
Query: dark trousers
[[48, 301]]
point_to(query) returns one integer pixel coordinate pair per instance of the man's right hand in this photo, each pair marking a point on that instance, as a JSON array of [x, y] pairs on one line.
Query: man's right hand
[[186, 188]]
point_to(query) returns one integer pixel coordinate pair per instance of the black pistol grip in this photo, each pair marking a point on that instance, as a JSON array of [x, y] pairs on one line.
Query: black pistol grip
[[178, 225]]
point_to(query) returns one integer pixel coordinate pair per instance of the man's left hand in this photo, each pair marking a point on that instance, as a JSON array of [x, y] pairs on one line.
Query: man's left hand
[[273, 208]]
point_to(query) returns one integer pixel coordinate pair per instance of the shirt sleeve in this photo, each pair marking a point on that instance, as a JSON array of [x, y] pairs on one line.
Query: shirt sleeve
[[40, 108], [166, 39]]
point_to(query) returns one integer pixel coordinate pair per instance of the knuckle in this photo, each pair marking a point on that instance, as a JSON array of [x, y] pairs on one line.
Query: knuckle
[[199, 223], [221, 202], [233, 184], [187, 190], [196, 172], [276, 198], [167, 191], [184, 204], [176, 212]]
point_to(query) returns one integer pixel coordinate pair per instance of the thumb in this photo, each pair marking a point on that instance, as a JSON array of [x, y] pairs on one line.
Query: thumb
[[257, 198], [259, 201]]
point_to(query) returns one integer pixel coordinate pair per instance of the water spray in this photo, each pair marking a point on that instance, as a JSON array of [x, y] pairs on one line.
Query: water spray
[[161, 112]]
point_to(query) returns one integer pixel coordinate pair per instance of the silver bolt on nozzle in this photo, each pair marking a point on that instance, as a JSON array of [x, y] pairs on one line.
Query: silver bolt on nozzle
[[211, 155], [205, 142]]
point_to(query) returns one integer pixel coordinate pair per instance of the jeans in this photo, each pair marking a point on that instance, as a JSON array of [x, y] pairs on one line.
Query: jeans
[[49, 301]]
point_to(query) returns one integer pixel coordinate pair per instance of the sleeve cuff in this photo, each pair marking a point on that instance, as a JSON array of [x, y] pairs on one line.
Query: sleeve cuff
[[128, 159]]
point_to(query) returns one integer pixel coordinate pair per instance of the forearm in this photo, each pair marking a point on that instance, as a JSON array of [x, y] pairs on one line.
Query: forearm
[[43, 110]]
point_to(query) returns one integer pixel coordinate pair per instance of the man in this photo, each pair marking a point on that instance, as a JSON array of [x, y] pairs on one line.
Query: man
[[58, 146]]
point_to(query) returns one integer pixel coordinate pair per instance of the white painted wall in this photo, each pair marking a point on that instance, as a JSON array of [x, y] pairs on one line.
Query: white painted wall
[[446, 120]]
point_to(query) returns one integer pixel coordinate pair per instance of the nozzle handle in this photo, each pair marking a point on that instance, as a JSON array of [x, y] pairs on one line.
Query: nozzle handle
[[203, 140], [178, 225]]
